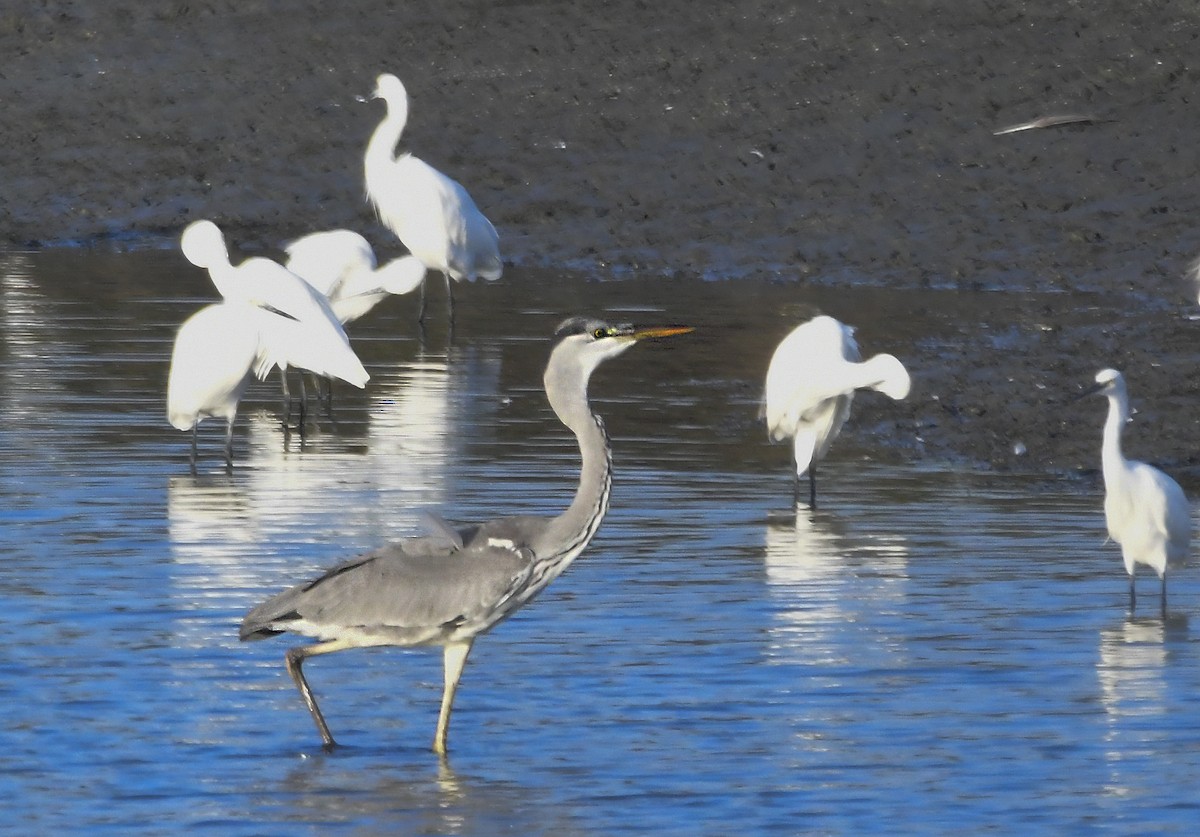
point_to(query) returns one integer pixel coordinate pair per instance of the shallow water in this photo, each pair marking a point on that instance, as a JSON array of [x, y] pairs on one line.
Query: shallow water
[[934, 650]]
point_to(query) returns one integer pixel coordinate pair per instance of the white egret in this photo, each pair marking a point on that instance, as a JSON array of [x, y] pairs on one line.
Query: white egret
[[1146, 511], [325, 349], [341, 265], [432, 215], [216, 354], [810, 383]]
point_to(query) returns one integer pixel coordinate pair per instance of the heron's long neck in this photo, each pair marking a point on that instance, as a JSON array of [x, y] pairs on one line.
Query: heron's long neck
[[570, 532], [1110, 454]]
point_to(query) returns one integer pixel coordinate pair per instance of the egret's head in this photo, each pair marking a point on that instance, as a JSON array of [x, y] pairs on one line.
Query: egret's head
[[896, 383], [1108, 382], [203, 244], [390, 89]]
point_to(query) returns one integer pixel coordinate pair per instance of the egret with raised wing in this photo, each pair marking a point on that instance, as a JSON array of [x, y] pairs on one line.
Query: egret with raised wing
[[811, 382], [324, 350], [341, 265]]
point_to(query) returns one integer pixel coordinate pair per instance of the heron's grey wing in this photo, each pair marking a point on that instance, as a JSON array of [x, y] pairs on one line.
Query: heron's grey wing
[[406, 592], [515, 533], [439, 528]]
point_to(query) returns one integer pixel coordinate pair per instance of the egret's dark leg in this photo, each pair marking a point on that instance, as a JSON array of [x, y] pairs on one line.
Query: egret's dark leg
[[454, 658], [229, 445], [192, 458], [421, 310], [287, 399], [1132, 592], [1164, 595], [812, 486], [449, 297], [294, 660], [303, 404]]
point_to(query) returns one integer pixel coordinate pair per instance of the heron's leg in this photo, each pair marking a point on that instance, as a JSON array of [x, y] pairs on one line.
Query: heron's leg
[[421, 310], [294, 660], [1164, 595], [812, 486], [455, 658], [1132, 591], [192, 459], [449, 296]]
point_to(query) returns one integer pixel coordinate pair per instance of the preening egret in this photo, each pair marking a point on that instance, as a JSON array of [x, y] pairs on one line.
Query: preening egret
[[448, 588], [324, 350], [432, 215], [1146, 511], [810, 383], [341, 265], [216, 353]]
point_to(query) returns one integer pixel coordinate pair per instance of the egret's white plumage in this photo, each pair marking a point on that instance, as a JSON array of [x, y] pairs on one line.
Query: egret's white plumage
[[810, 383], [1146, 511], [431, 214], [341, 265], [216, 353], [316, 343]]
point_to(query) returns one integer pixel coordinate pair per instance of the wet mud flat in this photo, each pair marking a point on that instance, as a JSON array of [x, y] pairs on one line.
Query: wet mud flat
[[819, 146]]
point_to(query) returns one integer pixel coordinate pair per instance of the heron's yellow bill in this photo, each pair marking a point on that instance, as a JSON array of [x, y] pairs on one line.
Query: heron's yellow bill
[[660, 331]]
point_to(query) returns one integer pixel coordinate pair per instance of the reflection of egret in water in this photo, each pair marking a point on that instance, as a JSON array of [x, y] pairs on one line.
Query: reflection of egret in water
[[419, 415], [821, 575], [214, 537], [30, 367], [1132, 669], [293, 507]]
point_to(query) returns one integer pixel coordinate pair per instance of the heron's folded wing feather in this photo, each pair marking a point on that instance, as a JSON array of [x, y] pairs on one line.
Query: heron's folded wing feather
[[414, 584]]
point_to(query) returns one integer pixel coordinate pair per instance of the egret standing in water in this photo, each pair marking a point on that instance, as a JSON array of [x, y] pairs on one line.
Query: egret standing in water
[[432, 215], [341, 265], [810, 383], [216, 354], [447, 589], [317, 343], [1146, 511]]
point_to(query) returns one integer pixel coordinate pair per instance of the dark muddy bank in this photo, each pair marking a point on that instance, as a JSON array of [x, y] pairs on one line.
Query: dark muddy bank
[[819, 144]]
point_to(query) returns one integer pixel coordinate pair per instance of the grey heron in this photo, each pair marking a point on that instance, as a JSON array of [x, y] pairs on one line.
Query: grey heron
[[810, 383], [449, 587], [1146, 511], [431, 214]]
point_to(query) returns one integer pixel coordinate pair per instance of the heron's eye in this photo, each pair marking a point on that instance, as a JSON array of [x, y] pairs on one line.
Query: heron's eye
[[600, 332]]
